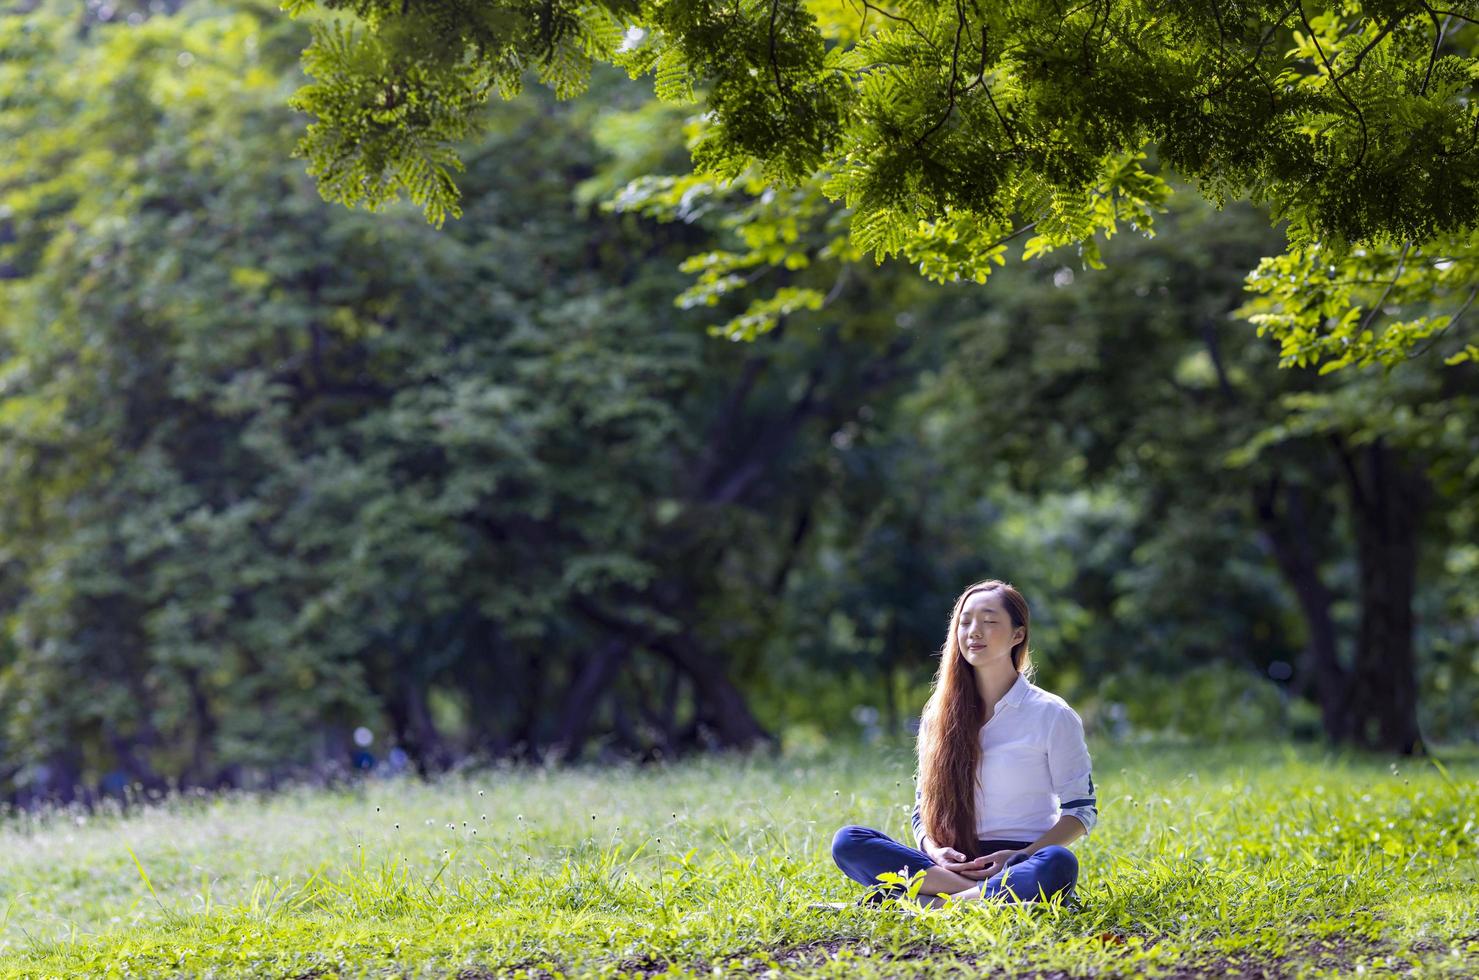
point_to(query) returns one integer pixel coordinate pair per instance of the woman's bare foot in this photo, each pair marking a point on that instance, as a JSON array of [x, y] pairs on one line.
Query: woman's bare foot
[[971, 894]]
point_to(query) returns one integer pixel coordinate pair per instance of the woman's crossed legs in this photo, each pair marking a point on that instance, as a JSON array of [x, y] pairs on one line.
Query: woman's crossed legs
[[864, 853]]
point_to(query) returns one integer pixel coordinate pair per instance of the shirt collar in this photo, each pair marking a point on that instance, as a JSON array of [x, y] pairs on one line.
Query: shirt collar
[[1014, 694]]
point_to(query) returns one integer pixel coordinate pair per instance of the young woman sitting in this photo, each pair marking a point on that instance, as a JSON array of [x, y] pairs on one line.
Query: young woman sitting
[[1004, 782]]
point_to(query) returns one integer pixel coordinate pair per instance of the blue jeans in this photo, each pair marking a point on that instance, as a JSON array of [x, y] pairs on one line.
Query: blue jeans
[[864, 853]]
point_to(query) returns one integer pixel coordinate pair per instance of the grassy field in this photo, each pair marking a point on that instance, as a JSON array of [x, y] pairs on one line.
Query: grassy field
[[1256, 860]]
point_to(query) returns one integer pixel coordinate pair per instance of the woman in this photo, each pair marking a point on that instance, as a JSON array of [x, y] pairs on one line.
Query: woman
[[1004, 776]]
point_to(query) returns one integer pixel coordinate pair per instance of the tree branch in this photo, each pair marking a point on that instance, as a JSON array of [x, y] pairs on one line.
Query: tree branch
[[1456, 318], [1335, 83], [954, 75], [1440, 31], [775, 66], [1257, 52], [903, 20], [1361, 55], [1376, 307], [1015, 234], [1454, 13]]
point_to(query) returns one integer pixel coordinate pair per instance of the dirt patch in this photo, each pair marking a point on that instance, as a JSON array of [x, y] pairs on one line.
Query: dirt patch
[[525, 972], [1333, 953], [1339, 953]]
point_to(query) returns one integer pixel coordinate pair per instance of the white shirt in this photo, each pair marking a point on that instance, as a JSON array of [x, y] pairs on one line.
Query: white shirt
[[1034, 768]]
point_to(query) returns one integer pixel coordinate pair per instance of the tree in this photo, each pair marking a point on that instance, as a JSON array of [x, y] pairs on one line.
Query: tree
[[1139, 377], [275, 469], [949, 131], [1145, 360]]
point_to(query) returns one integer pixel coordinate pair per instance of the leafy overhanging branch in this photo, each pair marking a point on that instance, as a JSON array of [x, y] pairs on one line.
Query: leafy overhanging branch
[[943, 129]]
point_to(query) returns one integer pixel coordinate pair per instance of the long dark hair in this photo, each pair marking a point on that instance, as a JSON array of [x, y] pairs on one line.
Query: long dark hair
[[949, 745]]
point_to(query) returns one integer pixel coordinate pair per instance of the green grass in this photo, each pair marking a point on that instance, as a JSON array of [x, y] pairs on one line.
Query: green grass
[[1256, 860]]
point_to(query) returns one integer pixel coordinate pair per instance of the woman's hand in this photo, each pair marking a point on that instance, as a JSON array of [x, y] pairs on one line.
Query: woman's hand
[[996, 861], [952, 860], [982, 867]]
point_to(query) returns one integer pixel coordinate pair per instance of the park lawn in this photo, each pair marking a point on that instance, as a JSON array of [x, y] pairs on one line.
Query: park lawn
[[1250, 860]]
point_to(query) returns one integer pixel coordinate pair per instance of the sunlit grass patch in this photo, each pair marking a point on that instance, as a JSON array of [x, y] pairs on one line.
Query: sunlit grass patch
[[1252, 859]]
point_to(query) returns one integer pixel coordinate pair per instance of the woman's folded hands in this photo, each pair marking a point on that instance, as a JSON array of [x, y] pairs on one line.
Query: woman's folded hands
[[977, 869]]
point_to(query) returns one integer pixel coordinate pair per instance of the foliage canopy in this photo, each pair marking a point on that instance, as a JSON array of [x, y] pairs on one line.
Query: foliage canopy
[[949, 130], [275, 469]]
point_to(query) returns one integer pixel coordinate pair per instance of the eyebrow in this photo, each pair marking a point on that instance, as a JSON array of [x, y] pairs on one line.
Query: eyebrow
[[988, 611]]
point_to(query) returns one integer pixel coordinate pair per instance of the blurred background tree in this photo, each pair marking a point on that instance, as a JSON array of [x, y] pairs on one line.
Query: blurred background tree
[[275, 471]]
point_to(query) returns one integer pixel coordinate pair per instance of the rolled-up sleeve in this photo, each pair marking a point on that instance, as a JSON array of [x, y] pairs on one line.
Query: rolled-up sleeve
[[1070, 769], [916, 819]]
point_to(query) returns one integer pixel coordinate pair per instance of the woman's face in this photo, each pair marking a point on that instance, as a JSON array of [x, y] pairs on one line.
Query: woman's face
[[984, 631]]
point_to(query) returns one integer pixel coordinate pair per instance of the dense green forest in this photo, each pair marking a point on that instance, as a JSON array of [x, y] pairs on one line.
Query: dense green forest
[[275, 470]]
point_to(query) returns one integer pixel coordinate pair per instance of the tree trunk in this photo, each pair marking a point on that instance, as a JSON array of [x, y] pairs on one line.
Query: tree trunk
[[1289, 534], [585, 694], [1388, 496], [203, 741], [131, 762], [723, 703], [416, 733], [716, 698], [671, 698]]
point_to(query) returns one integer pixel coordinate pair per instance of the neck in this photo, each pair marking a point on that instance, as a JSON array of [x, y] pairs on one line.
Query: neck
[[993, 680]]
